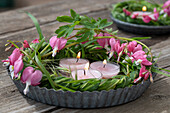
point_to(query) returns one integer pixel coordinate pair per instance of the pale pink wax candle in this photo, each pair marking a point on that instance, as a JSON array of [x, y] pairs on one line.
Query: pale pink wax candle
[[88, 74], [73, 63], [107, 71], [141, 13]]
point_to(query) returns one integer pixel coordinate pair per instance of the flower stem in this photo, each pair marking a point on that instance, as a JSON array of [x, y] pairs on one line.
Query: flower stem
[[50, 53], [45, 49]]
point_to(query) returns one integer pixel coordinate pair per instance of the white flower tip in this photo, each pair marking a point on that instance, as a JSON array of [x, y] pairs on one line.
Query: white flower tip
[[26, 90], [54, 52], [110, 55], [12, 74]]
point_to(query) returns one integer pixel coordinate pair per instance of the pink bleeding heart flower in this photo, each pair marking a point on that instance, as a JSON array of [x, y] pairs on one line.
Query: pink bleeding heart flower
[[25, 44], [134, 47], [57, 44], [142, 73], [35, 41], [30, 77], [156, 14], [146, 75], [137, 48], [135, 15], [146, 18], [104, 42], [146, 62], [18, 66], [166, 7], [14, 56], [112, 42], [131, 46], [128, 13], [6, 62], [139, 55]]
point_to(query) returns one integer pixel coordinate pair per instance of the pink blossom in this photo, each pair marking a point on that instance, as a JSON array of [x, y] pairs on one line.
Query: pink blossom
[[137, 48], [146, 18], [128, 13], [135, 15], [6, 62], [112, 42], [131, 46], [104, 42], [156, 14], [18, 66], [35, 41], [14, 56], [147, 75], [146, 62], [25, 44], [30, 77], [140, 57], [166, 7], [57, 44], [142, 73]]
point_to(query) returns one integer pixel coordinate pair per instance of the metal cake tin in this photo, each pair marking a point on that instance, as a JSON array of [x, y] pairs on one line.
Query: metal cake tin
[[85, 99], [140, 29]]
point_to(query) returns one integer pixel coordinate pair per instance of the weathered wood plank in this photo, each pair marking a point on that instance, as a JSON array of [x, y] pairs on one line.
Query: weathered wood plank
[[14, 21], [163, 48]]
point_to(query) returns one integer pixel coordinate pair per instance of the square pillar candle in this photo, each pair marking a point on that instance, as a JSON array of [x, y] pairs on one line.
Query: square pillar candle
[[107, 70]]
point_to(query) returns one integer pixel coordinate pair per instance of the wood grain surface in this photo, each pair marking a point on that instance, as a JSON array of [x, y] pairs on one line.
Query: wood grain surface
[[17, 26]]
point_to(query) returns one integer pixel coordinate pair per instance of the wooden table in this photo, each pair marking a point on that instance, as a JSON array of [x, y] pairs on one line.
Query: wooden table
[[17, 26]]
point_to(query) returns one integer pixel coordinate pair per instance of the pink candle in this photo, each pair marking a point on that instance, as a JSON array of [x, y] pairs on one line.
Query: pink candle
[[73, 63], [108, 70], [86, 74]]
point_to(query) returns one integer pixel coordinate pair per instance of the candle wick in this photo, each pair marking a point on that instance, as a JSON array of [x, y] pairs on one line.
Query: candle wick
[[84, 72], [77, 60], [104, 65]]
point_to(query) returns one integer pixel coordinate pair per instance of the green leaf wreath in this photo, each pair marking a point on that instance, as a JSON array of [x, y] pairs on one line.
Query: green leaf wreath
[[159, 13], [37, 63]]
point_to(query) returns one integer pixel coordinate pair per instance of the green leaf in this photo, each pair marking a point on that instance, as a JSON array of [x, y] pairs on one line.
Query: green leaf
[[113, 84], [65, 88], [84, 37], [65, 19], [73, 13], [140, 38], [65, 27], [43, 69], [36, 25], [159, 72], [40, 44], [134, 74], [164, 69]]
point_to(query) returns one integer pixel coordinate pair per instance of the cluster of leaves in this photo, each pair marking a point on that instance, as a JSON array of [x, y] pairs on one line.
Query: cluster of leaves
[[136, 5], [69, 84], [90, 26]]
